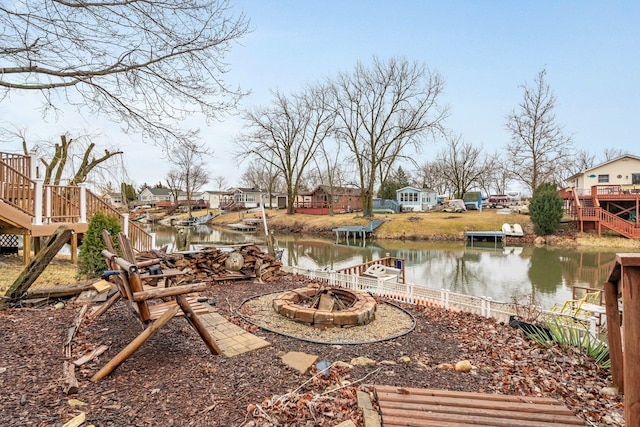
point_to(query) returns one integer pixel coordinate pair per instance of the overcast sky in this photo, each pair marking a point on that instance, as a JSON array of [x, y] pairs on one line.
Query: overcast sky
[[485, 50]]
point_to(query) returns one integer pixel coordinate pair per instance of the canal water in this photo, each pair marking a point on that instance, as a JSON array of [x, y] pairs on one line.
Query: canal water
[[543, 275]]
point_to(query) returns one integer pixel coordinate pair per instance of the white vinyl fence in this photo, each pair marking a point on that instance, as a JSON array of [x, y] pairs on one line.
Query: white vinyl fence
[[421, 295]]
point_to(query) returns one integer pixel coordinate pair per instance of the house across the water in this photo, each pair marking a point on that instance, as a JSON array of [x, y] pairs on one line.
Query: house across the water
[[318, 201], [606, 196]]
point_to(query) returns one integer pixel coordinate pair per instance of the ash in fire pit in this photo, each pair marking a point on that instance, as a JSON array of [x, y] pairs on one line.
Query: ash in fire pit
[[326, 307]]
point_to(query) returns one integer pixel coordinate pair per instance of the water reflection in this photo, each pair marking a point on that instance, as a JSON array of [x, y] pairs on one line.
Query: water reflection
[[549, 275]]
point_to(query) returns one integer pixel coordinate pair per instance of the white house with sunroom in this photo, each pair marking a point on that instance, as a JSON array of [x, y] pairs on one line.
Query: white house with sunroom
[[416, 199], [623, 171]]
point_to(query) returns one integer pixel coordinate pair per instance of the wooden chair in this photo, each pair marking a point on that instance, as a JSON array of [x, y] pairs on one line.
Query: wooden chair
[[155, 316], [112, 267], [168, 276]]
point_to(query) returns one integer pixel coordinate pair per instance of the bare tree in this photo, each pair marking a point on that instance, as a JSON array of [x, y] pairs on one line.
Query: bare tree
[[461, 165], [329, 170], [429, 176], [613, 153], [221, 182], [538, 146], [497, 176], [190, 166], [144, 64], [72, 159], [287, 134], [175, 184], [381, 112]]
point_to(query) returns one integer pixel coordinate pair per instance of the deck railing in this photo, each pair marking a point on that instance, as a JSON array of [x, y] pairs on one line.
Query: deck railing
[[139, 238], [48, 204], [16, 188], [18, 162]]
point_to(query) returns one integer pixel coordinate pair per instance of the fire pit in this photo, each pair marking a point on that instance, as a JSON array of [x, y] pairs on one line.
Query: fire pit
[[326, 307]]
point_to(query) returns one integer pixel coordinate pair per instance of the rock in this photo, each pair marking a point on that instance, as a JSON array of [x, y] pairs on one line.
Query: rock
[[387, 362], [347, 423], [609, 391], [447, 366], [539, 241], [362, 361], [299, 361], [341, 364], [405, 359], [463, 366]]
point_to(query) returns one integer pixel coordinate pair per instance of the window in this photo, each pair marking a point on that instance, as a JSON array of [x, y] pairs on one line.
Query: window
[[603, 179], [408, 197], [635, 178]]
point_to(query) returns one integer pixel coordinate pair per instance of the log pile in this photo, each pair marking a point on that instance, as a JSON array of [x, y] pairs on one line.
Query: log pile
[[211, 264]]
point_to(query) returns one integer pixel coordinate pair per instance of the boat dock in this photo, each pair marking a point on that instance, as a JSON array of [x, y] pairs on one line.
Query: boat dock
[[242, 226], [485, 236], [357, 230]]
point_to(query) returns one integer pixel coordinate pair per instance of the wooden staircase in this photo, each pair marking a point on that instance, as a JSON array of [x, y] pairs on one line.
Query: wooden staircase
[[589, 209], [32, 209]]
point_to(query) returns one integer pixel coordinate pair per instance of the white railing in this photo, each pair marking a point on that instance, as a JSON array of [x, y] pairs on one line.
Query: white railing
[[423, 296]]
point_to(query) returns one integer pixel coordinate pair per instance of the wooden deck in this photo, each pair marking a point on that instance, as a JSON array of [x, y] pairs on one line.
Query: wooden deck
[[401, 406], [611, 207], [32, 209]]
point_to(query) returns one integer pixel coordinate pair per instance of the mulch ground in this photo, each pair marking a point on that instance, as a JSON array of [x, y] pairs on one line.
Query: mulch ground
[[172, 380]]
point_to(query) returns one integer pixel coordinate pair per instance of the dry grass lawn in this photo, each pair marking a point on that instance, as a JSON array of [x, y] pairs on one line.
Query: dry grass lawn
[[60, 272], [422, 225]]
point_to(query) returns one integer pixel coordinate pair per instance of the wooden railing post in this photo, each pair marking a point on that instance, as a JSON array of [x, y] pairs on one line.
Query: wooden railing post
[[83, 202], [125, 226], [33, 168], [37, 214], [631, 329]]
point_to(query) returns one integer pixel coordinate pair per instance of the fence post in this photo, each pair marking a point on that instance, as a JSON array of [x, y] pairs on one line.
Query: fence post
[[37, 214], [125, 226], [83, 202], [446, 300], [483, 301], [488, 306], [153, 240], [442, 303], [592, 325]]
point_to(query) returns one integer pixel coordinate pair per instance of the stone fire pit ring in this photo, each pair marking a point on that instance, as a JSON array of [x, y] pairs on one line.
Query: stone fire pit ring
[[360, 308]]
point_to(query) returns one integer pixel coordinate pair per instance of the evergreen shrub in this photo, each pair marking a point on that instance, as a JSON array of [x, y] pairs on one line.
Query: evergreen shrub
[[92, 263], [546, 209]]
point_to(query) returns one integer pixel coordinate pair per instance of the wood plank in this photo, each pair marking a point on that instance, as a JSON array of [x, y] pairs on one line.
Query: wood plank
[[428, 419], [403, 406], [466, 395], [32, 271], [540, 415], [469, 402]]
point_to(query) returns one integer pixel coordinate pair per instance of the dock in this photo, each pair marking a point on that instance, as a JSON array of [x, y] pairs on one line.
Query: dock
[[358, 230], [486, 236], [242, 226]]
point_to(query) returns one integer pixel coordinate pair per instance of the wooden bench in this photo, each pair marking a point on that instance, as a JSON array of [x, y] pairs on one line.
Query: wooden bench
[[154, 316]]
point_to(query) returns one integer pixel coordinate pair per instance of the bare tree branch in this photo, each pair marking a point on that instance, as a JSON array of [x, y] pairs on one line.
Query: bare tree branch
[[144, 64]]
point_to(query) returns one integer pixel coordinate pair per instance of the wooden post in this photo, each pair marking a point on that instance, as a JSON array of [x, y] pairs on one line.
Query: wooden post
[[32, 271], [37, 245], [74, 248], [613, 333], [135, 344], [26, 248], [194, 320], [631, 327]]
